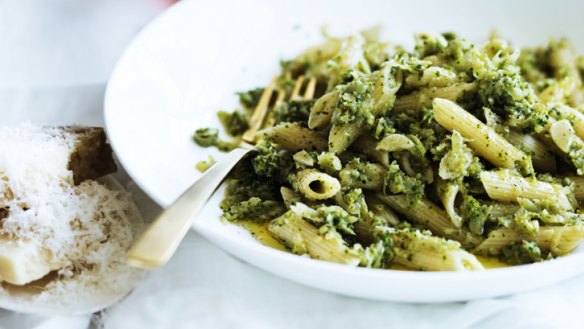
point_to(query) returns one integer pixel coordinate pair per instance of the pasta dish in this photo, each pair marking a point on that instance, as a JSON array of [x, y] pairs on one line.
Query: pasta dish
[[372, 155]]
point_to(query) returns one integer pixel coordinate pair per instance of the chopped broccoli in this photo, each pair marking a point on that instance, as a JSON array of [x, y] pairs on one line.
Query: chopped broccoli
[[521, 252], [475, 212], [293, 111], [254, 209], [250, 98], [398, 182], [206, 137], [271, 163], [459, 160], [234, 123]]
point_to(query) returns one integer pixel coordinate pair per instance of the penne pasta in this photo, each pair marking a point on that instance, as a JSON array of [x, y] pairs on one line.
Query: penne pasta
[[503, 185], [303, 238], [382, 210], [563, 64], [315, 185], [289, 196], [425, 97], [419, 251], [427, 214], [342, 136], [368, 146], [578, 186], [365, 175], [576, 118], [323, 109], [541, 155], [559, 240], [395, 142], [481, 138], [373, 159], [294, 137]]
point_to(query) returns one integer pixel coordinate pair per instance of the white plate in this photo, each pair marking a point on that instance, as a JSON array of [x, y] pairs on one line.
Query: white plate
[[188, 63]]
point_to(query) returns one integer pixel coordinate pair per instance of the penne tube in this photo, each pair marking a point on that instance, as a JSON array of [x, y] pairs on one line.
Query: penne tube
[[481, 138], [303, 238], [289, 196], [578, 186], [427, 214], [563, 64], [395, 142], [502, 209], [294, 137], [342, 136], [559, 240], [322, 111], [382, 210], [315, 185], [541, 155], [419, 251], [365, 175], [503, 185], [425, 97], [368, 146], [447, 191]]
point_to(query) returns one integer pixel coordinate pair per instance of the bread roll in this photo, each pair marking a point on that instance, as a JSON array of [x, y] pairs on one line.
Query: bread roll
[[63, 235]]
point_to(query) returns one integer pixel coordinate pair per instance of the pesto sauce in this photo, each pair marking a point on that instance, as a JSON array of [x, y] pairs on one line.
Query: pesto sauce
[[259, 230]]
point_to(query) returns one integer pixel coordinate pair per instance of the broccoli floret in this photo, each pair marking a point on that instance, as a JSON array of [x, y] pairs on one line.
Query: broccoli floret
[[521, 252], [336, 218], [383, 127], [244, 184], [355, 104], [398, 182], [503, 89], [234, 123], [294, 111], [354, 200], [250, 98], [329, 162], [429, 44], [357, 173], [459, 160], [271, 163], [475, 212], [206, 137], [254, 209], [380, 253]]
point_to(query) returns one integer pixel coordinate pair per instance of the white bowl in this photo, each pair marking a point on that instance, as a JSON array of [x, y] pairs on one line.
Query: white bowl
[[188, 63]]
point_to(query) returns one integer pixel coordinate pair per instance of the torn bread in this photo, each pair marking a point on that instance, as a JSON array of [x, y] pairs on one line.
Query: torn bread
[[63, 235]]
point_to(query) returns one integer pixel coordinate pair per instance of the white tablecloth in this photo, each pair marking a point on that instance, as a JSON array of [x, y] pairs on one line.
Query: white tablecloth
[[54, 64]]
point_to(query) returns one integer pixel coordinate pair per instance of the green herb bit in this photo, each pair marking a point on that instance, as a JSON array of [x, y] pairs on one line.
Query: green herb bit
[[254, 209], [203, 165], [206, 137], [521, 252], [250, 98], [235, 123]]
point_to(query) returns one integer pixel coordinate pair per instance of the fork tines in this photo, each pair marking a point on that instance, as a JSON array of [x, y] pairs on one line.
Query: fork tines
[[272, 96]]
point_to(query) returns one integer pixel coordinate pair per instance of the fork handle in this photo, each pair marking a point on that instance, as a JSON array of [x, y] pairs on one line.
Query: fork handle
[[161, 239]]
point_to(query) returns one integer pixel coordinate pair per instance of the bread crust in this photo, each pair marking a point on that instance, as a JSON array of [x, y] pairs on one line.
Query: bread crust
[[92, 156]]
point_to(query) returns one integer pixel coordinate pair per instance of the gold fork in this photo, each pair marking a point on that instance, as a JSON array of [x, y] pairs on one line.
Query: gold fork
[[161, 239]]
